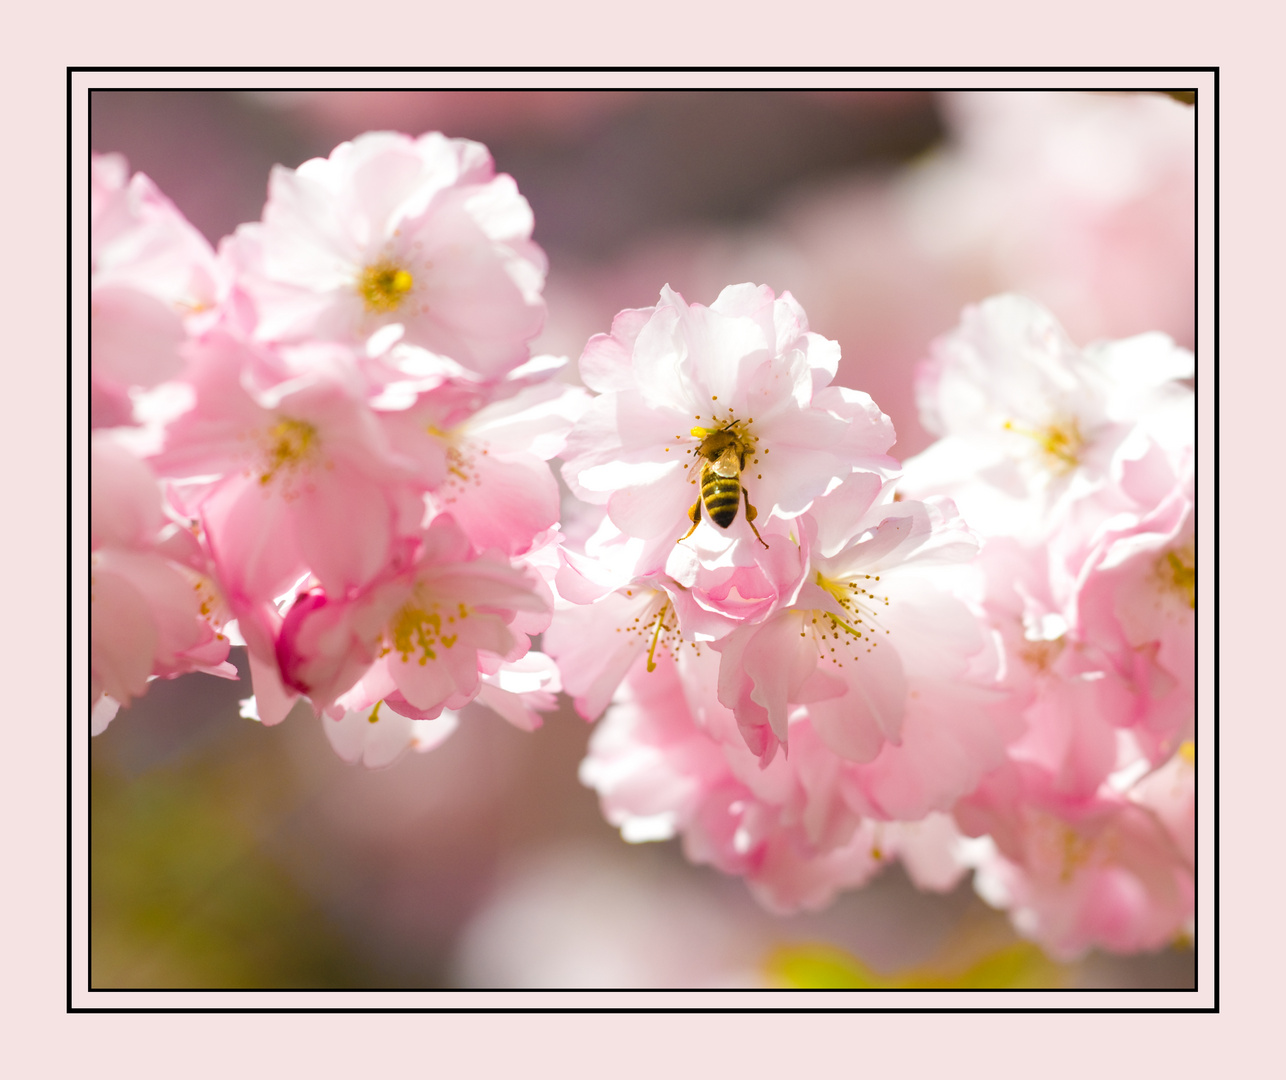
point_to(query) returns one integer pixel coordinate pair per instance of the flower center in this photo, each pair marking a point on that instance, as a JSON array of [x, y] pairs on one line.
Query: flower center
[[1042, 652], [861, 626], [1076, 853], [1060, 443], [659, 626], [461, 468], [1177, 572], [1055, 849], [383, 285], [730, 444], [421, 627], [289, 444]]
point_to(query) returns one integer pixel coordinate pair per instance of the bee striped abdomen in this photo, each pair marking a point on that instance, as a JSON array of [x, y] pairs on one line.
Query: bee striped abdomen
[[720, 495]]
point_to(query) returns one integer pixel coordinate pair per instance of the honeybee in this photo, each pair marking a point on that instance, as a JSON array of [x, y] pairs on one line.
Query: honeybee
[[722, 458]]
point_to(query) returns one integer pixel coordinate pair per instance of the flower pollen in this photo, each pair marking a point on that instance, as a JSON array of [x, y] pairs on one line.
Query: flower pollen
[[1177, 572], [383, 285], [726, 434], [290, 443], [860, 604], [1060, 443], [419, 628], [461, 464], [660, 629]]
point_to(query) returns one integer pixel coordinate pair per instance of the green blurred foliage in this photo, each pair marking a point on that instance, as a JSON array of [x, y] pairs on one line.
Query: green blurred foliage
[[1019, 966], [182, 896]]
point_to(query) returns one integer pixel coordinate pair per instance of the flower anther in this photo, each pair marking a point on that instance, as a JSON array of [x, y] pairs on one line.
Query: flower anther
[[1177, 573], [383, 286], [289, 444], [660, 625], [419, 626], [1060, 443], [861, 605]]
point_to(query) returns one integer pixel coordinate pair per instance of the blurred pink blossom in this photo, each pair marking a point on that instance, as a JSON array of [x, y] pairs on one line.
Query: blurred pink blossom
[[153, 610], [154, 278], [1107, 872]]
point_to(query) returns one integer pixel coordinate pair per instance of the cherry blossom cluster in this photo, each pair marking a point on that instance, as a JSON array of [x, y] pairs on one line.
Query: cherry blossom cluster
[[845, 672], [328, 441], [1075, 466], [795, 684]]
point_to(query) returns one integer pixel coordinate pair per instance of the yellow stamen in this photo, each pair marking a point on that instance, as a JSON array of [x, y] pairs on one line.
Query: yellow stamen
[[375, 712], [1061, 442], [833, 587], [289, 443], [417, 628], [1076, 851], [383, 285], [656, 633], [1183, 573], [1188, 751]]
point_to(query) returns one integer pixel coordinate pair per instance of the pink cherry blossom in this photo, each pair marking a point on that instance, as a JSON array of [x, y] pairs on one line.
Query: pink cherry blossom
[[1135, 600], [1075, 705], [423, 633], [874, 643], [153, 613], [486, 465], [153, 275], [390, 229], [668, 760], [676, 379], [1107, 872], [1035, 430], [299, 478], [611, 614], [1083, 200], [378, 736]]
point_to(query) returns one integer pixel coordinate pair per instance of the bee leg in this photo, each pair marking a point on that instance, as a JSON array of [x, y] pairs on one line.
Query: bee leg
[[694, 512], [751, 514]]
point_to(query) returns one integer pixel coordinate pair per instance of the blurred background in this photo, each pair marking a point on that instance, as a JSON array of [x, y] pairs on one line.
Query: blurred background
[[225, 854]]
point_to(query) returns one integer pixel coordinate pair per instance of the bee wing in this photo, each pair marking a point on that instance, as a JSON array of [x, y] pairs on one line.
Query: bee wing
[[729, 463]]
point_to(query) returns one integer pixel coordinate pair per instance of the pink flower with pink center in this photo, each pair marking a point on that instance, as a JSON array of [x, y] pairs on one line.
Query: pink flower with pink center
[[154, 611], [153, 277], [1110, 872], [421, 636], [390, 229], [739, 389]]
